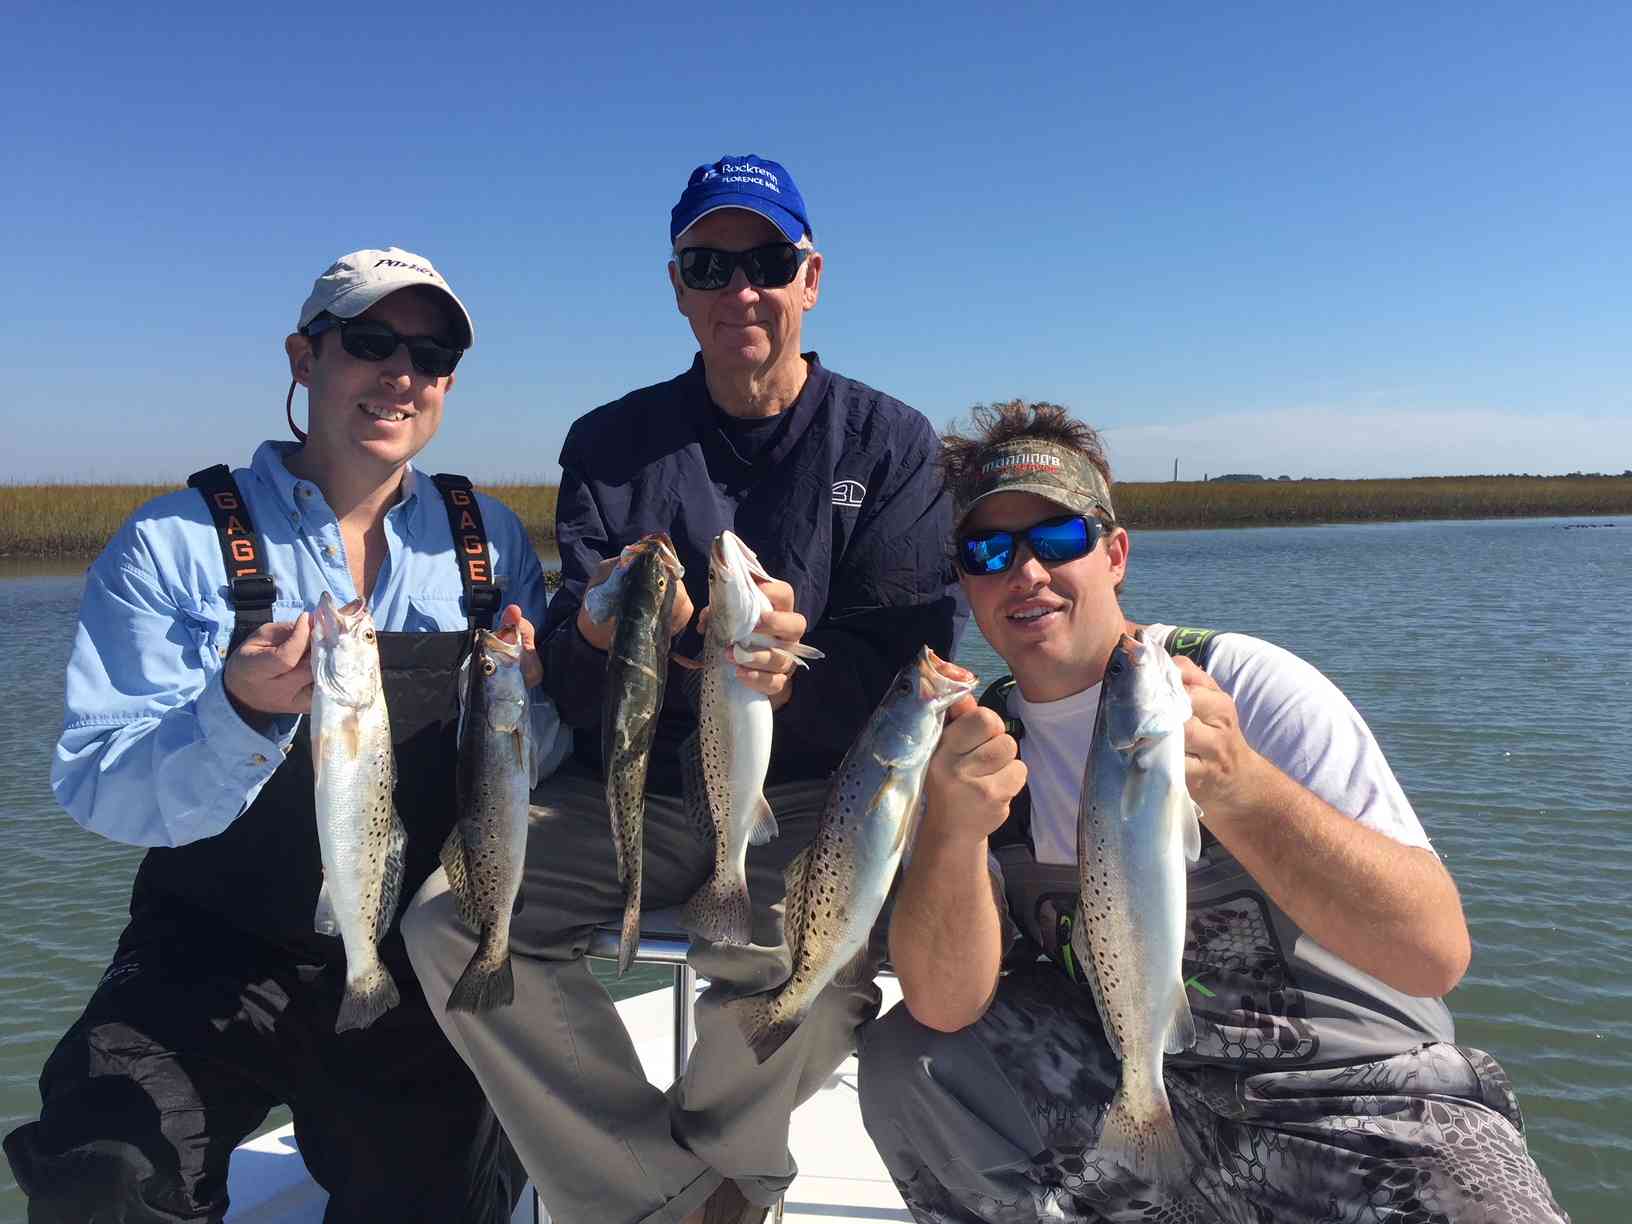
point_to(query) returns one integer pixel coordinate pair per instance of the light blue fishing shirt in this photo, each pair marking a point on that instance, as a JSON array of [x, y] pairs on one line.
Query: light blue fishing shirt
[[152, 752]]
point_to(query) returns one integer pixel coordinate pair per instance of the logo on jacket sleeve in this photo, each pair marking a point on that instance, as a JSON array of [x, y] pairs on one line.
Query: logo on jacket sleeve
[[849, 493]]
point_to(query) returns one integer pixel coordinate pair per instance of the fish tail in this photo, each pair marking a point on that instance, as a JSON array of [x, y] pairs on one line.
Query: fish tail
[[1146, 1142], [762, 1028], [629, 938], [484, 985], [720, 911], [367, 999]]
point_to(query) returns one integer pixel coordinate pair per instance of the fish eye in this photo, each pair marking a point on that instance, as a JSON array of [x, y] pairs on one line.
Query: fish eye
[[1116, 667], [488, 666], [368, 635]]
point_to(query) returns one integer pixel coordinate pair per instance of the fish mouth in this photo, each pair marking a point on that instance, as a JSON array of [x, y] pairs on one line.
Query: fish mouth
[[941, 681], [492, 643], [664, 547]]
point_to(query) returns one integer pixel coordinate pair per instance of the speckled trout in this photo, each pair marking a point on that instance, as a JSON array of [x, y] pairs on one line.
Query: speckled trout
[[1136, 827], [732, 747], [485, 852], [359, 834], [637, 666], [837, 884]]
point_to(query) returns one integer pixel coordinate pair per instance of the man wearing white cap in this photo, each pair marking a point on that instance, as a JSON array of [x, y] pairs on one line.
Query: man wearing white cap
[[190, 676], [833, 484]]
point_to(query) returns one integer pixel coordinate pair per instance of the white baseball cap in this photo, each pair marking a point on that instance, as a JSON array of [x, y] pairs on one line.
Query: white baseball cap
[[355, 282]]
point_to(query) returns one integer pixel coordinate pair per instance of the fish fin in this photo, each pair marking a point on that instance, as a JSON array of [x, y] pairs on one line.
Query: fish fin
[[793, 905], [535, 754], [396, 850], [464, 693], [481, 987], [1084, 953], [858, 970], [764, 825], [764, 1034], [351, 733], [629, 937], [457, 868], [797, 652], [324, 920], [694, 787], [720, 911], [1147, 1147], [1181, 1030], [1190, 827], [367, 1000], [690, 680]]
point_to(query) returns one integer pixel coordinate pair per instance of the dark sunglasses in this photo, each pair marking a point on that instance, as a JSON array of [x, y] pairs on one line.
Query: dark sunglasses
[[1066, 538], [370, 340], [767, 267]]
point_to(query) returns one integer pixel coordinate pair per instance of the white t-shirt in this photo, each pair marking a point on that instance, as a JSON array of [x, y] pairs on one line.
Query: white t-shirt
[[1290, 714]]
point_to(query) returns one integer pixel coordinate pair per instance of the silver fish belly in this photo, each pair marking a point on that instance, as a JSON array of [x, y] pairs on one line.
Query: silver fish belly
[[360, 838], [837, 885], [1136, 828], [732, 749], [485, 853]]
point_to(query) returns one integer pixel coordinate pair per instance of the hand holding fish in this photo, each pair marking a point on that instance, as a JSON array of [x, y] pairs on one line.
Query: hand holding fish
[[532, 667], [599, 633], [770, 670], [1221, 771], [973, 775], [271, 672]]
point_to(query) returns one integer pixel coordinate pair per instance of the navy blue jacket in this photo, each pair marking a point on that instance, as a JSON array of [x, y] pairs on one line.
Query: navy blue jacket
[[844, 502]]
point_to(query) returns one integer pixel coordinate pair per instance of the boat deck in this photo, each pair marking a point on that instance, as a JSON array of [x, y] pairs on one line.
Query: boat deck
[[840, 1176]]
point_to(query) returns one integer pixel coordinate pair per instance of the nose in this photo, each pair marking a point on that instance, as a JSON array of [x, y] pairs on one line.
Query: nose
[[739, 283], [1027, 573], [397, 370]]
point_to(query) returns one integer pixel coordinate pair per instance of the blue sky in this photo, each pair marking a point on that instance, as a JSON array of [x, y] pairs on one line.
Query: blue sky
[[1322, 240]]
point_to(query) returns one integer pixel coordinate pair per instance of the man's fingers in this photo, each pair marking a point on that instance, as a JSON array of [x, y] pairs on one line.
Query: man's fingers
[[1193, 676], [789, 626], [293, 647], [960, 707], [970, 731], [779, 593], [991, 757]]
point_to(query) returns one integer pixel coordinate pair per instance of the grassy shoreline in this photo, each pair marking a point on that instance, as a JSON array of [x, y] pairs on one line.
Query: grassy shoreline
[[60, 521]]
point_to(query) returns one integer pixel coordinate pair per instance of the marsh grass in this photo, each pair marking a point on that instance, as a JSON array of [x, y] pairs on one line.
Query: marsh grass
[[76, 520], [1282, 503]]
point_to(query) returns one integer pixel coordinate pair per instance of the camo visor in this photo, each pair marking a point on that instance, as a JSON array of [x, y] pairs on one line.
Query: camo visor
[[1028, 465]]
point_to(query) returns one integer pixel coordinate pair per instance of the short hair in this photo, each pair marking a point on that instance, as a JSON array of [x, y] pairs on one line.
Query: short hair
[[964, 448]]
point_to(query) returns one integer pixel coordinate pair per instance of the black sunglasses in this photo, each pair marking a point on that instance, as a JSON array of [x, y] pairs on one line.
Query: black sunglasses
[[371, 340], [1066, 538], [767, 267]]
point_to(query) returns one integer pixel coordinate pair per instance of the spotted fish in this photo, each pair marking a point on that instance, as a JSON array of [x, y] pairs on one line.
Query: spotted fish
[[360, 837], [1136, 827], [485, 852], [646, 578], [732, 747], [837, 884]]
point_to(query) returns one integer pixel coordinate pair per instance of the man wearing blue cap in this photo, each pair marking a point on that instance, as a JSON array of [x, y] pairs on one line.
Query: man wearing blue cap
[[834, 485]]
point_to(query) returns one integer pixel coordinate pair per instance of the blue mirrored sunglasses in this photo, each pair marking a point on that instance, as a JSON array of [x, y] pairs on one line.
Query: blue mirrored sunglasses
[[1066, 538]]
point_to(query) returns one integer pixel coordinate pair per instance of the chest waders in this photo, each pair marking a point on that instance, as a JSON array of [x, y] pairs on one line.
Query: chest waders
[[261, 874], [1262, 993]]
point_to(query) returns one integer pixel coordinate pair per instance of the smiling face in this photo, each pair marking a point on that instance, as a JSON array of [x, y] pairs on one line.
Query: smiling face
[[743, 329], [1054, 625], [373, 415]]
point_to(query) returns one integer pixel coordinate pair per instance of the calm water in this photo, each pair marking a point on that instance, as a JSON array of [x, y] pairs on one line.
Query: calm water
[[1484, 655]]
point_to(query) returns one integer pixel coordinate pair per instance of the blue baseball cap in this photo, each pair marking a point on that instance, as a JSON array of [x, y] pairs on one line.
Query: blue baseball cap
[[750, 182]]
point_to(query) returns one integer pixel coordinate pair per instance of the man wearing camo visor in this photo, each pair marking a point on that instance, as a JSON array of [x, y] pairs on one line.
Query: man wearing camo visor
[[1319, 928]]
